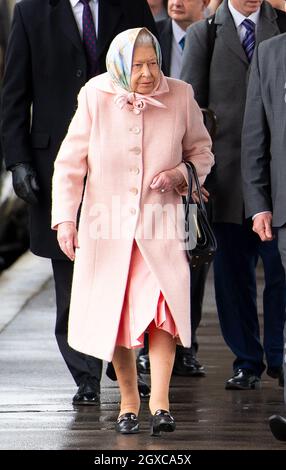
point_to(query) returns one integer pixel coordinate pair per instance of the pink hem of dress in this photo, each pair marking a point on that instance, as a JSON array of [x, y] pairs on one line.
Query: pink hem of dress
[[144, 306]]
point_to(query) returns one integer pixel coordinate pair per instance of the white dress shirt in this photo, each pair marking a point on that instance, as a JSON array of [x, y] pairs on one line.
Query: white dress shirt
[[77, 8], [238, 18], [176, 51]]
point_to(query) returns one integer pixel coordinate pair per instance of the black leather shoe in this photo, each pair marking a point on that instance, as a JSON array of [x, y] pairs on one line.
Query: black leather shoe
[[86, 395], [143, 388], [143, 364], [110, 372], [278, 427], [243, 380], [276, 373], [162, 421], [127, 424], [187, 365]]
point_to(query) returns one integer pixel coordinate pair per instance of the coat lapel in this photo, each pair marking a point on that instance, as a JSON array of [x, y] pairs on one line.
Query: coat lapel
[[63, 17], [109, 14], [267, 26], [232, 41], [166, 37], [227, 29]]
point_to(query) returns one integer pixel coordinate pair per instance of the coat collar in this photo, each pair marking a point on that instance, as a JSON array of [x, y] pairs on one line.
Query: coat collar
[[109, 15], [267, 27], [63, 17]]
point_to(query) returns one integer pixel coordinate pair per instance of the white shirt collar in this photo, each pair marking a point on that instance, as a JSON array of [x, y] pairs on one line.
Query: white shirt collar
[[178, 32], [75, 2], [239, 17]]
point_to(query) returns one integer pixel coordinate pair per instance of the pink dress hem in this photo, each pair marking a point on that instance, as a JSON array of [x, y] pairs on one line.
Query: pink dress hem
[[144, 306]]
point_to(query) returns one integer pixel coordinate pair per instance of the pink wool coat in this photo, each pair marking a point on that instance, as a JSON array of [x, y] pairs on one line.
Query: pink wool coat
[[121, 152]]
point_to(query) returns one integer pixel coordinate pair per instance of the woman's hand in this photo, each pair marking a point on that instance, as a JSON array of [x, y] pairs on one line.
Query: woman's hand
[[167, 180], [67, 238], [205, 195]]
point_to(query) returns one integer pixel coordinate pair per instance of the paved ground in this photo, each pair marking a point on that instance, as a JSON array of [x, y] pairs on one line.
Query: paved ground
[[36, 389]]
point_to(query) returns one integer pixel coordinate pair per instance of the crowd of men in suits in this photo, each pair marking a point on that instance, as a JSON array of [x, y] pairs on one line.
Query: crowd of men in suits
[[47, 63]]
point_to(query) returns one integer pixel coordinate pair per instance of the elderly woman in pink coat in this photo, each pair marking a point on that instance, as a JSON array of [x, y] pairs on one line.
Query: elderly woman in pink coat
[[123, 159]]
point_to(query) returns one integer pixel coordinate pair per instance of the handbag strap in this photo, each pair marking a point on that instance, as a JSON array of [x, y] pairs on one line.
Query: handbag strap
[[192, 172]]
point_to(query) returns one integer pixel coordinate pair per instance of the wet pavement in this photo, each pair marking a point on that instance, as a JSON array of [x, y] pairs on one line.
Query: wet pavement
[[36, 389]]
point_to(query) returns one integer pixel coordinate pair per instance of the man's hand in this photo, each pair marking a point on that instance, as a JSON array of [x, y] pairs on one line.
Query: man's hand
[[67, 238], [262, 225], [205, 195], [25, 182]]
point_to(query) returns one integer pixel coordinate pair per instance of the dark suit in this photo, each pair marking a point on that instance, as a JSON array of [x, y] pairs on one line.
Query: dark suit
[[165, 32], [4, 31], [45, 67], [264, 141], [238, 247]]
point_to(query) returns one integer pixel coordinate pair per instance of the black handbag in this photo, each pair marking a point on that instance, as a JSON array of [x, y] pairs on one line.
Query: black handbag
[[200, 242]]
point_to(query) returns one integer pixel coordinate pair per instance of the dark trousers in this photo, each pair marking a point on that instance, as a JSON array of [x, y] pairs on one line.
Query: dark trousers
[[282, 249], [198, 282], [81, 366], [235, 287]]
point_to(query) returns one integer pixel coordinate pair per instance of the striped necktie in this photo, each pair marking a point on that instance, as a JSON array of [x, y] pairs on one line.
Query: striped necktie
[[182, 42], [248, 43], [89, 38]]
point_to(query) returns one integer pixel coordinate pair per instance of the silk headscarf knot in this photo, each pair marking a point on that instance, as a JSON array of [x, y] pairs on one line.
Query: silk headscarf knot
[[119, 66], [136, 102]]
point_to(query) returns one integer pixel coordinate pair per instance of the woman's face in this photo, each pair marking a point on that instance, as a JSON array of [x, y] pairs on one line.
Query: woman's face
[[145, 71]]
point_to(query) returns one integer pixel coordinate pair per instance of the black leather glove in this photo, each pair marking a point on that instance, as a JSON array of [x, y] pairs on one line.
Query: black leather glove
[[25, 182]]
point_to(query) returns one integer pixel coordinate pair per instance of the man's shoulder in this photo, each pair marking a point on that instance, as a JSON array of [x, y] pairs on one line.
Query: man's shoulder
[[198, 28], [164, 25], [28, 4], [34, 8], [130, 7], [273, 45]]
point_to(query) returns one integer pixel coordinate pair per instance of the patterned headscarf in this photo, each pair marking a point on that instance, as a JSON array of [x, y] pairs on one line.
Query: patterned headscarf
[[119, 65], [120, 54]]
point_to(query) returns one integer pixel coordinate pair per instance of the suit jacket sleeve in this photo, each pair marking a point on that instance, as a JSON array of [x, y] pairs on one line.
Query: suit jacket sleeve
[[195, 61], [70, 167], [17, 95], [196, 144], [255, 157]]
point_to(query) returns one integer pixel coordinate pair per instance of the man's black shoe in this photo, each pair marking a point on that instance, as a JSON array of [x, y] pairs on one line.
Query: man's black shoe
[[243, 380], [278, 427], [187, 365], [276, 373], [143, 364], [110, 372], [86, 395], [143, 388]]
